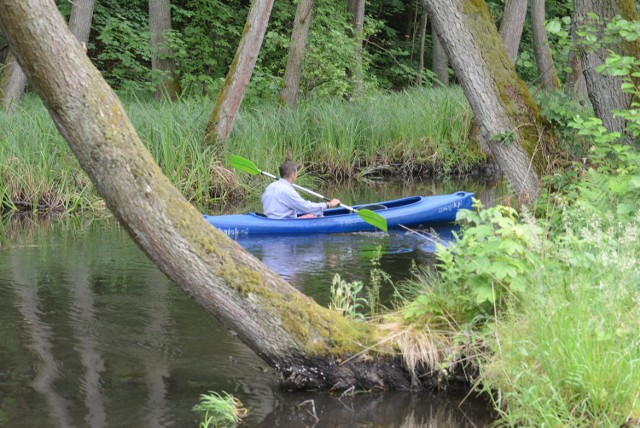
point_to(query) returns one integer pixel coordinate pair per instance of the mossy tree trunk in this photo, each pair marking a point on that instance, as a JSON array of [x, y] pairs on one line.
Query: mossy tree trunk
[[227, 104], [295, 59], [605, 91], [515, 12], [311, 346], [507, 116]]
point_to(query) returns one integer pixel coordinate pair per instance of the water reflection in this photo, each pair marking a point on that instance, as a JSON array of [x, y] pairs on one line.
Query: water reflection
[[92, 334]]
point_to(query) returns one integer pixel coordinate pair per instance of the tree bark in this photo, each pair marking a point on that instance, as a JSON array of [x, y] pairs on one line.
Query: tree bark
[[12, 84], [230, 97], [80, 19], [163, 62], [356, 9], [423, 38], [605, 91], [291, 87], [575, 82], [507, 116], [311, 346], [515, 12], [544, 60], [14, 80], [440, 64]]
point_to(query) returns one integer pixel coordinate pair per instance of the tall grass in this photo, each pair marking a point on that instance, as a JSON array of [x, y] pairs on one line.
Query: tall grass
[[558, 327], [570, 356], [409, 131]]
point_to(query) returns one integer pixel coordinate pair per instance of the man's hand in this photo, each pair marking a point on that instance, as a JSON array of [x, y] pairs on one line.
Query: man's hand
[[333, 203]]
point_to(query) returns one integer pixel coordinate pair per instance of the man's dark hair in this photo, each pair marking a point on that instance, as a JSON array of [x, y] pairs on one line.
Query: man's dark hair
[[287, 169]]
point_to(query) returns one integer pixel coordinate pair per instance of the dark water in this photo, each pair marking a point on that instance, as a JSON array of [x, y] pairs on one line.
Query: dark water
[[92, 334]]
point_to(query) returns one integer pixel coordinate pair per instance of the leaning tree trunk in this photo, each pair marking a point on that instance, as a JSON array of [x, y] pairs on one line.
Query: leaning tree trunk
[[12, 83], [14, 80], [228, 102], [440, 61], [605, 91], [311, 346], [544, 60], [162, 60], [507, 116], [515, 12], [289, 93], [423, 39]]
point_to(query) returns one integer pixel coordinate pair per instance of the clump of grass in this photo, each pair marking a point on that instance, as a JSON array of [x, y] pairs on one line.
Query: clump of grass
[[570, 356], [219, 410], [419, 130]]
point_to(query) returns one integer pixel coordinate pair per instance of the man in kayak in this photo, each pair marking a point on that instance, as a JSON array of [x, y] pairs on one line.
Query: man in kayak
[[280, 199]]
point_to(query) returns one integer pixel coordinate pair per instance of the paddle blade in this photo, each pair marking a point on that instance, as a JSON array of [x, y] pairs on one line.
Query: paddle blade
[[243, 164], [373, 219]]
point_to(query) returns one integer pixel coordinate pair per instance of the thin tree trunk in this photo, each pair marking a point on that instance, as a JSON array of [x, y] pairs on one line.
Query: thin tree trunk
[[440, 63], [12, 84], [605, 91], [423, 38], [515, 12], [544, 60], [356, 9], [507, 116], [575, 82], [232, 92], [311, 346], [80, 19], [162, 60], [289, 93]]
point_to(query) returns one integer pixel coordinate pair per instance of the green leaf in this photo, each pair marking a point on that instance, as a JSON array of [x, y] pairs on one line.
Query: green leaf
[[483, 294]]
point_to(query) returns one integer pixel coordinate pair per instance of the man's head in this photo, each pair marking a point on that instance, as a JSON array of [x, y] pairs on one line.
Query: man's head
[[288, 169]]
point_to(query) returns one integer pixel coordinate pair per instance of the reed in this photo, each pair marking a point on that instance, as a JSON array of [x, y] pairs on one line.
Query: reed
[[401, 132]]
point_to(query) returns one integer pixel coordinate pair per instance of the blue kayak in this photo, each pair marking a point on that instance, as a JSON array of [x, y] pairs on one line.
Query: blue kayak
[[412, 212]]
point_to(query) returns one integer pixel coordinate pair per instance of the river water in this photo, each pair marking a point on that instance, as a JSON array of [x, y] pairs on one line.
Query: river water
[[93, 334]]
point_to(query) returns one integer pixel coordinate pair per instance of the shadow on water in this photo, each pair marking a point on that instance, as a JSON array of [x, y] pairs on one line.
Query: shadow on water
[[92, 334]]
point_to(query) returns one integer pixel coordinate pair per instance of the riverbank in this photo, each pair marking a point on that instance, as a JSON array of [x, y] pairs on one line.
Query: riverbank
[[421, 133]]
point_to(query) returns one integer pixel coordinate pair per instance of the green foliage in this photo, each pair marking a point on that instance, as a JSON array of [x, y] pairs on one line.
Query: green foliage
[[485, 271], [561, 109], [122, 45], [219, 410], [345, 298]]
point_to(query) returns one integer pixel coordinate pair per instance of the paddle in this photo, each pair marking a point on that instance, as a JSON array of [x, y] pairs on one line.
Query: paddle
[[369, 216]]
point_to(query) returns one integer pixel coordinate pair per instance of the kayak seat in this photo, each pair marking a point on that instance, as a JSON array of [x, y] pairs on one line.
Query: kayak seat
[[374, 207]]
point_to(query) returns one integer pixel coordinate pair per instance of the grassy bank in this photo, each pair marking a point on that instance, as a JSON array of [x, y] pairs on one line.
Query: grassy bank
[[422, 132], [544, 310]]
